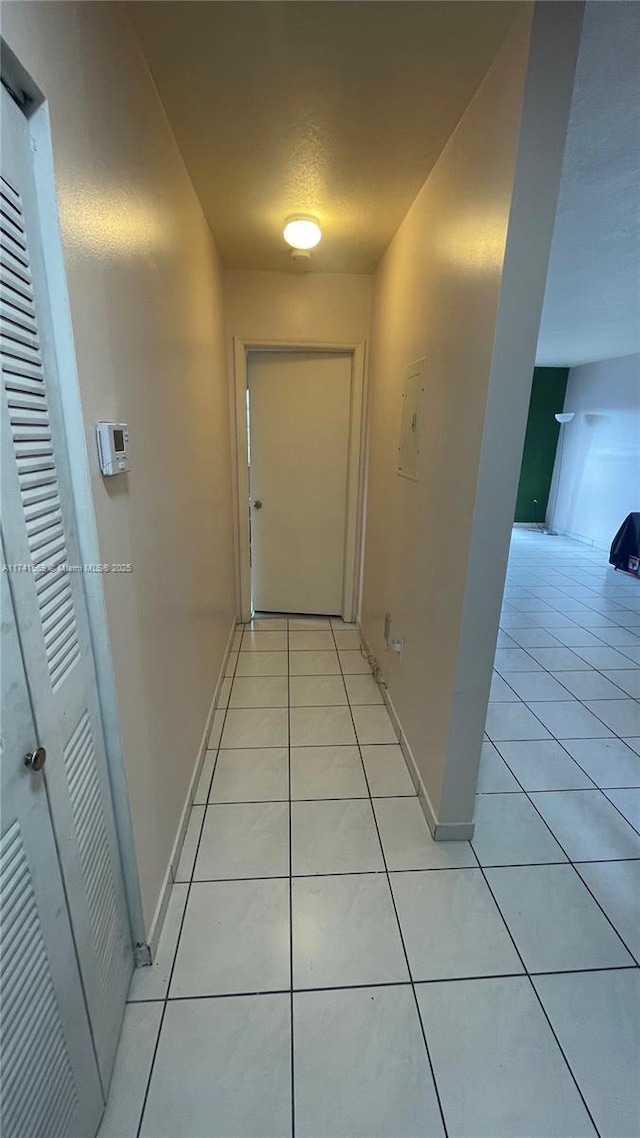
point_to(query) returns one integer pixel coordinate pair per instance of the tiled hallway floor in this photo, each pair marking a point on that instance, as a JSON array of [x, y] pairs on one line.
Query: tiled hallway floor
[[327, 970]]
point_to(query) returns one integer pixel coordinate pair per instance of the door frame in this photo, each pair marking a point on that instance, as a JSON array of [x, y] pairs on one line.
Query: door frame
[[355, 464]]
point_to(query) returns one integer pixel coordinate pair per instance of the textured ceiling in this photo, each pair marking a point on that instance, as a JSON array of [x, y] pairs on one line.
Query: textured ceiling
[[338, 109], [592, 302]]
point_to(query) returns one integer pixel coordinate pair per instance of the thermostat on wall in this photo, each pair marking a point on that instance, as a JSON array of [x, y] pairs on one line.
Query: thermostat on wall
[[113, 447]]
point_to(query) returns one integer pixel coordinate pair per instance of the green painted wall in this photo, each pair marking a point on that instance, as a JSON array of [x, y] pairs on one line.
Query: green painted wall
[[541, 440]]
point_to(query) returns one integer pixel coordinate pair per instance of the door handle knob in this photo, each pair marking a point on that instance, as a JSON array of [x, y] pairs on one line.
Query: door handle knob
[[35, 760], [257, 505]]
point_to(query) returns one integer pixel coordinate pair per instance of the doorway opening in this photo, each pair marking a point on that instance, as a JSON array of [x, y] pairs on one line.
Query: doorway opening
[[300, 477]]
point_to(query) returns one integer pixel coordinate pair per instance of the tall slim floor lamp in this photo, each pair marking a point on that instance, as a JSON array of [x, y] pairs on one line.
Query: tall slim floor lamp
[[563, 417]]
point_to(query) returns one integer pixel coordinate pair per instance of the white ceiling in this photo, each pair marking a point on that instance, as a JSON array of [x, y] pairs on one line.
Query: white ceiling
[[335, 109], [592, 301]]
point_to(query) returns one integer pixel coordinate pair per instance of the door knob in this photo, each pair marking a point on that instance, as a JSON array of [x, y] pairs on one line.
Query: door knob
[[257, 505], [35, 760]]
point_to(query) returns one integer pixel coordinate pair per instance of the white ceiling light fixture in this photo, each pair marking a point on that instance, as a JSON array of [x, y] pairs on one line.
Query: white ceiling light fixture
[[301, 232]]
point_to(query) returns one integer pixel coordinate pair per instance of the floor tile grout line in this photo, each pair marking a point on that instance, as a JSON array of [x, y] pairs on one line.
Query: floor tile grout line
[[586, 886], [553, 603], [301, 747], [559, 608], [603, 790], [413, 869], [562, 746], [412, 794], [587, 560], [556, 672], [294, 651], [568, 790], [630, 664], [614, 734], [546, 790], [291, 1017], [569, 861], [283, 706], [182, 921], [575, 648], [496, 744], [549, 672], [588, 709], [400, 933], [408, 983], [345, 797], [624, 695], [573, 866], [535, 991], [340, 797]]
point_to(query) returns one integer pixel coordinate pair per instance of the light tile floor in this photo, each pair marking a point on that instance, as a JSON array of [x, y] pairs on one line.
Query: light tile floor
[[327, 970]]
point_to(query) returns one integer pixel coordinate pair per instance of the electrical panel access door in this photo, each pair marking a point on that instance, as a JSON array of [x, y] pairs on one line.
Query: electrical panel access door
[[411, 423]]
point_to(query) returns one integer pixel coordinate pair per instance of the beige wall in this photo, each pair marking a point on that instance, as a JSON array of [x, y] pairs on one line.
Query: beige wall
[[146, 304], [600, 457], [298, 305], [439, 294]]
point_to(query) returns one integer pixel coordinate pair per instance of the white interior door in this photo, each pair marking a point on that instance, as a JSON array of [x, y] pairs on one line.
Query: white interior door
[[299, 416], [39, 537], [50, 1083]]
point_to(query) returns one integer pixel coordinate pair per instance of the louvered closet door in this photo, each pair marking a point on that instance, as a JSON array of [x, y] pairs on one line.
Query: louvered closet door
[[48, 1072], [38, 527]]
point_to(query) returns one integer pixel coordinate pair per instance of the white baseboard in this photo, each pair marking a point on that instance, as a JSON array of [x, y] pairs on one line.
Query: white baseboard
[[157, 920], [170, 872], [589, 541], [440, 831]]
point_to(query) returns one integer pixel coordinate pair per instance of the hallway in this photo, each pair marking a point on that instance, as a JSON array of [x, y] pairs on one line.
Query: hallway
[[483, 988], [239, 245]]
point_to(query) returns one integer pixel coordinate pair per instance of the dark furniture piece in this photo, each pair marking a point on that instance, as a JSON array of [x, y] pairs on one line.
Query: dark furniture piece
[[625, 548]]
